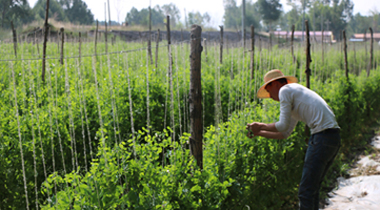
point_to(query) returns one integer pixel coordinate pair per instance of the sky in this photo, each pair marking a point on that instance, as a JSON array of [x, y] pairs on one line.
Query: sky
[[120, 8]]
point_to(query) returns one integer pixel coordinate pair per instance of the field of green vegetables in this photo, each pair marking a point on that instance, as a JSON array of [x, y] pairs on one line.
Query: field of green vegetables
[[110, 131]]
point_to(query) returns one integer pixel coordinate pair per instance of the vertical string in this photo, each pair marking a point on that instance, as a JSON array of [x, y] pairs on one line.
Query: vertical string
[[20, 137]]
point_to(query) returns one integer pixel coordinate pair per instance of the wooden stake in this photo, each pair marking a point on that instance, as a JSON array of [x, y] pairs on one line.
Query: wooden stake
[[221, 45], [63, 41], [46, 30], [168, 30], [292, 46], [371, 53], [307, 71], [308, 58], [345, 53], [195, 96], [14, 39], [80, 47]]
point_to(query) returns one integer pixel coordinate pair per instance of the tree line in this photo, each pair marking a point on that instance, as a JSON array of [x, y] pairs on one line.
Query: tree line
[[159, 13], [264, 15], [332, 15], [20, 12]]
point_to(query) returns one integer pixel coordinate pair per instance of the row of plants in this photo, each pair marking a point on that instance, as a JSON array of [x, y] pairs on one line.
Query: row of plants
[[238, 172], [62, 115]]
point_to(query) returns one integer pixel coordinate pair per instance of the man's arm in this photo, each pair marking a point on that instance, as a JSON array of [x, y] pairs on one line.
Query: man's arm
[[264, 130], [256, 127], [270, 134]]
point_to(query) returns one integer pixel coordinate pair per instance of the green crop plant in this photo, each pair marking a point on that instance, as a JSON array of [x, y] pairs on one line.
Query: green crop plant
[[98, 162]]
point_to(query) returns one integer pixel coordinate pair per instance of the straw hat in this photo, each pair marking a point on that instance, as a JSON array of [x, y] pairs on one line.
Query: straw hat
[[271, 76]]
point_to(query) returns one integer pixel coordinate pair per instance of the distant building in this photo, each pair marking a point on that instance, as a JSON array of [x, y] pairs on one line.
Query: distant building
[[327, 35], [360, 37]]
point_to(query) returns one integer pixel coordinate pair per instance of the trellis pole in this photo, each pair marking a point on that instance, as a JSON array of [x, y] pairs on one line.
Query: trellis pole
[[307, 70], [221, 45], [14, 39], [46, 26], [371, 53], [63, 41], [345, 53], [195, 96], [292, 44]]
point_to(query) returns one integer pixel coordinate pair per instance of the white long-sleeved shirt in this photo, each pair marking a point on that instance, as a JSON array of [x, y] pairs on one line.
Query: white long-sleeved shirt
[[298, 103]]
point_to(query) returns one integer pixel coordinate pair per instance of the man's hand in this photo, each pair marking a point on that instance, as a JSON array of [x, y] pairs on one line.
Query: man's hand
[[253, 129]]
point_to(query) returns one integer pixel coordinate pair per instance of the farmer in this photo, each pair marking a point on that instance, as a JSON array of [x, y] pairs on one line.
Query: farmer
[[298, 103]]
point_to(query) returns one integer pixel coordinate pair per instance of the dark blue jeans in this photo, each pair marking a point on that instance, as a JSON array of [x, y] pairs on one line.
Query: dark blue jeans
[[323, 147]]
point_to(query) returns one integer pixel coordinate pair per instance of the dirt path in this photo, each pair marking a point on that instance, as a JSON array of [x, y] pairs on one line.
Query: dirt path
[[362, 189]]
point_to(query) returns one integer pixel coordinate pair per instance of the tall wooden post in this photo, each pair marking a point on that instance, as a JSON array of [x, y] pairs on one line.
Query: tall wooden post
[[308, 58], [80, 47], [345, 53], [46, 27], [63, 41], [170, 71], [371, 53], [14, 39], [195, 96], [292, 46], [307, 71], [157, 41], [221, 45]]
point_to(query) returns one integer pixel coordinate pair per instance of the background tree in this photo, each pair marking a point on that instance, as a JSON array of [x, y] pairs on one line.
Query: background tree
[[294, 17], [16, 10], [55, 10], [195, 18], [233, 14], [173, 11], [375, 19], [359, 24], [252, 15], [136, 17], [270, 11], [76, 11]]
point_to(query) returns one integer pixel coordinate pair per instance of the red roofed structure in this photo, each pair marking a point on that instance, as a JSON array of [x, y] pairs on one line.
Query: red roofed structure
[[314, 36]]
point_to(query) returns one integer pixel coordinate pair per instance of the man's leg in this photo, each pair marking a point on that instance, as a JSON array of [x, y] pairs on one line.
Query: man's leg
[[319, 156]]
